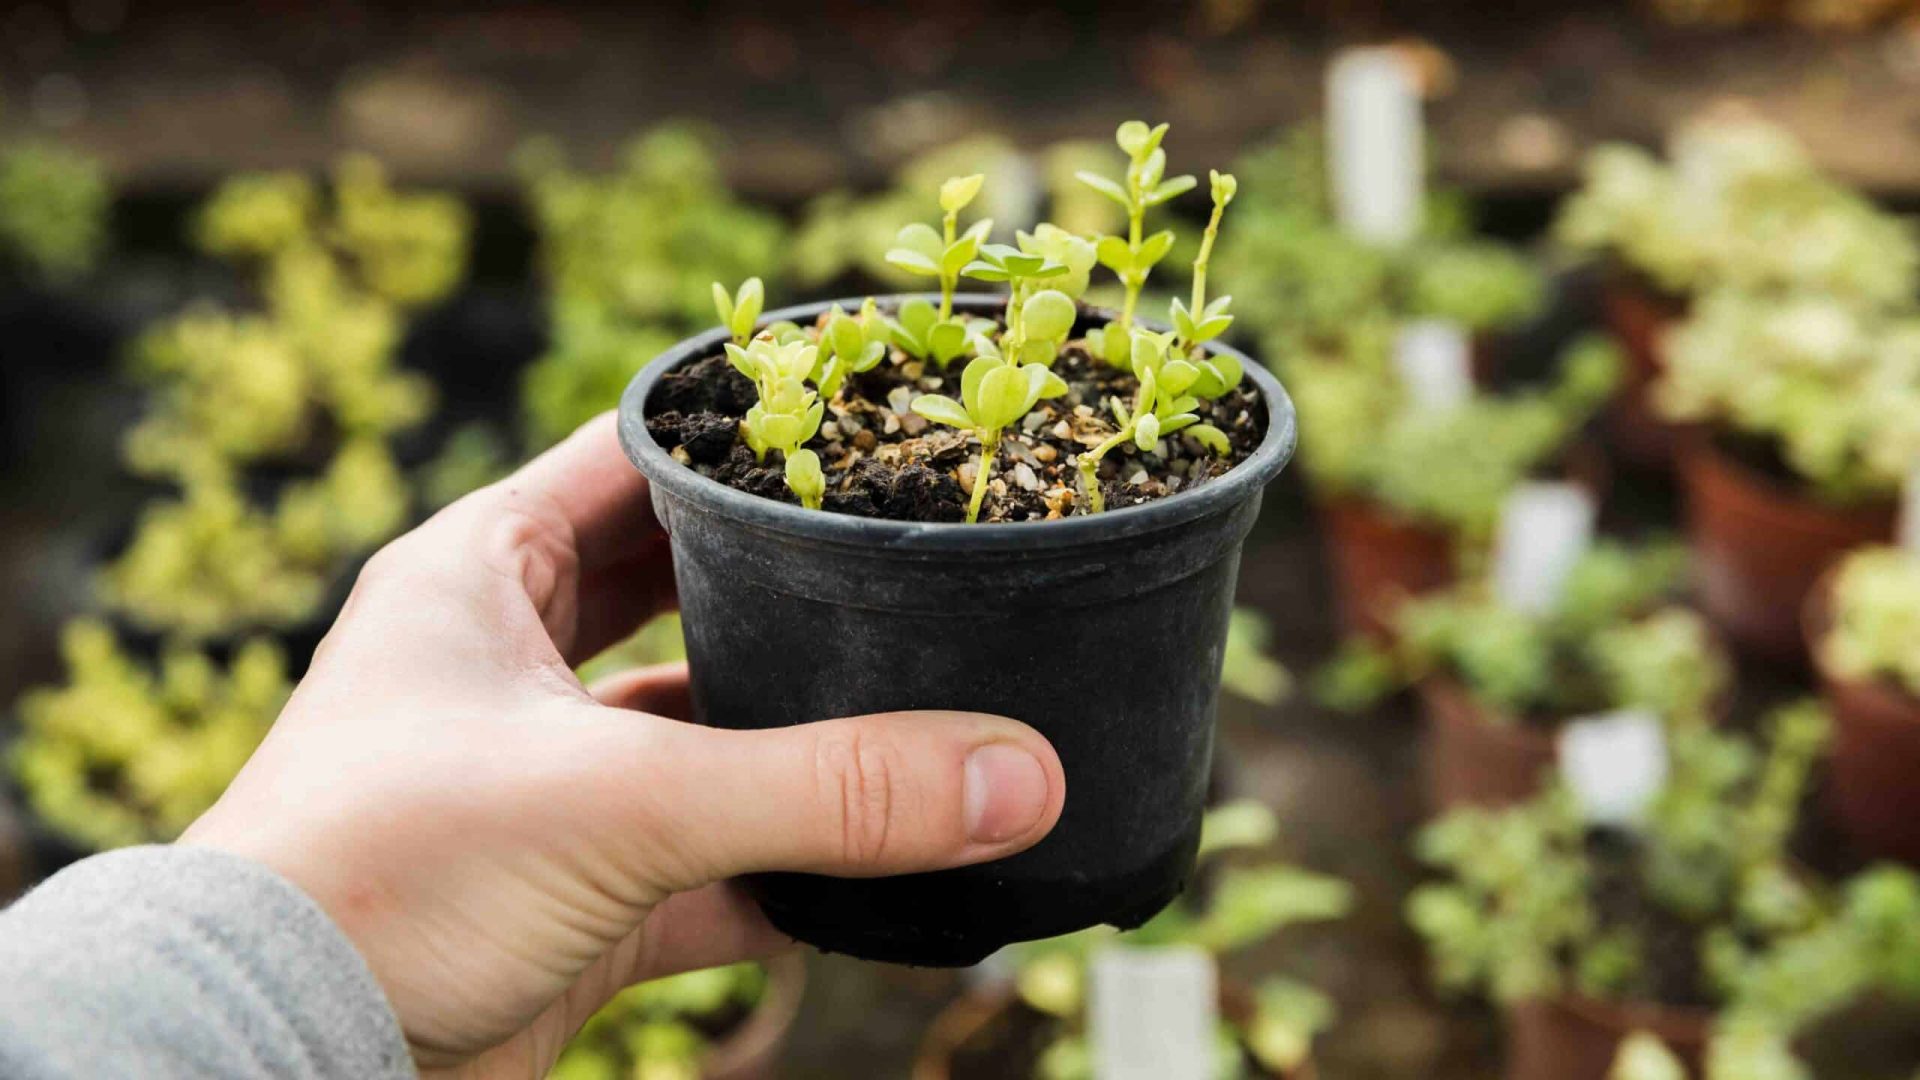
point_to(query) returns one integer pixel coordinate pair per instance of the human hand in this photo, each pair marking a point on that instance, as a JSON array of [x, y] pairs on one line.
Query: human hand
[[508, 849]]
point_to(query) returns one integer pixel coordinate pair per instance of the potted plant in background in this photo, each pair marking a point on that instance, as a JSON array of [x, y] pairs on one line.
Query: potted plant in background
[[127, 753], [1811, 414], [724, 1023], [1409, 496], [1864, 949], [1736, 204], [626, 257], [1037, 1027], [279, 422], [1586, 935], [814, 469], [1497, 683], [1863, 624]]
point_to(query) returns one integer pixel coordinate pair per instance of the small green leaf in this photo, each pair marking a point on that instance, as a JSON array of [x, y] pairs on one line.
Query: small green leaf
[[956, 193], [1175, 423], [958, 255], [1146, 431], [1176, 376], [742, 361], [1052, 386], [913, 262], [805, 479], [1224, 186], [979, 231], [1132, 137], [747, 304], [1003, 397], [971, 377], [946, 341], [1170, 189], [1152, 168], [1048, 315], [723, 303], [870, 356], [1116, 347], [1153, 249], [1212, 438], [1105, 187], [918, 315], [981, 270], [1211, 328], [920, 237], [943, 410], [844, 335], [1218, 305], [1114, 254]]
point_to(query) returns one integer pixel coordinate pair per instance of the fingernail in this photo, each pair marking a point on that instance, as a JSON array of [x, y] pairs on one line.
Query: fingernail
[[1006, 793]]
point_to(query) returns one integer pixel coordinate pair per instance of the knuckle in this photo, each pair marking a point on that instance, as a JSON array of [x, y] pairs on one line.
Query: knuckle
[[528, 539], [860, 777]]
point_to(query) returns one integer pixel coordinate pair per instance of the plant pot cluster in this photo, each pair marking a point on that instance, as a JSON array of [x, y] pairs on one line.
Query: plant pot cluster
[[1872, 793], [1760, 547], [1638, 316]]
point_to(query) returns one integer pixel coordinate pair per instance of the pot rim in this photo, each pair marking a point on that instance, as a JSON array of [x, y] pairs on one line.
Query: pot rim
[[1240, 483]]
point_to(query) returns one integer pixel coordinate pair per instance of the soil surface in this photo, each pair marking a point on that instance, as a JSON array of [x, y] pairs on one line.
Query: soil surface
[[1670, 973], [883, 460]]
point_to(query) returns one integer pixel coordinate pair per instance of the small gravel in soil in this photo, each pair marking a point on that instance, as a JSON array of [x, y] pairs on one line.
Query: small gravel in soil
[[884, 460]]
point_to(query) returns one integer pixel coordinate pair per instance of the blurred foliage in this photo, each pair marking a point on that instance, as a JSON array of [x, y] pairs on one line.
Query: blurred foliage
[[1833, 384], [210, 563], [1534, 906], [1248, 667], [1450, 467], [629, 257], [125, 754], [662, 1030], [1612, 640], [1240, 903], [1737, 204], [1875, 608], [54, 204], [1302, 282]]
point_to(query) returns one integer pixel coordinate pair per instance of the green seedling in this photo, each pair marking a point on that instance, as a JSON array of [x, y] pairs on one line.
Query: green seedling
[[739, 311], [1162, 406], [788, 413], [921, 333], [849, 345], [918, 249], [993, 394], [1201, 321], [1133, 256]]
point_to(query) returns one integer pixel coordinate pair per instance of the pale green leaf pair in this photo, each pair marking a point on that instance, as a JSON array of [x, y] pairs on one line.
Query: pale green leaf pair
[[740, 310], [921, 333]]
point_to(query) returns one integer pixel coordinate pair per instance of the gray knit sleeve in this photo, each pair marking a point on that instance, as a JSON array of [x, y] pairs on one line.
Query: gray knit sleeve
[[184, 962]]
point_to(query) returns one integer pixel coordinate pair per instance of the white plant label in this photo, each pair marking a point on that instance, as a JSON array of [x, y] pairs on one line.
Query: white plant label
[[1910, 512], [1434, 359], [1615, 763], [1544, 530], [1152, 1013], [1376, 145]]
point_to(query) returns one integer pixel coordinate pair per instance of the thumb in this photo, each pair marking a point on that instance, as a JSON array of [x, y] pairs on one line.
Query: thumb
[[890, 793]]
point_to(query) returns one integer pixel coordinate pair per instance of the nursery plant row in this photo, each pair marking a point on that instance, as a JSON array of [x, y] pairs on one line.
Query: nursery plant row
[[1620, 848]]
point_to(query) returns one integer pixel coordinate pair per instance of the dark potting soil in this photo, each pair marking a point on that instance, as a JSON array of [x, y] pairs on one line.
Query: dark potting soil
[[1009, 1046], [885, 461], [1669, 962]]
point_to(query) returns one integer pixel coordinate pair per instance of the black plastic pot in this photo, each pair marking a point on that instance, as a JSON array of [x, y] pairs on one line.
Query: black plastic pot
[[1104, 633]]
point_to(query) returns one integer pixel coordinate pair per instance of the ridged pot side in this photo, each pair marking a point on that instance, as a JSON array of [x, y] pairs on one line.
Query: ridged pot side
[[1105, 633]]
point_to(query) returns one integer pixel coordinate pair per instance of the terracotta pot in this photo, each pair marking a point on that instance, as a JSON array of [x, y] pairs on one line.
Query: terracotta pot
[[750, 1050], [1873, 786], [1639, 318], [1758, 548], [966, 1015], [1576, 1038], [1473, 759], [1379, 561]]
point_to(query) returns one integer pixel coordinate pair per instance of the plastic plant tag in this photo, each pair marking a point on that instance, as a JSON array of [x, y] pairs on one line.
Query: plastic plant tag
[[1615, 763], [1152, 1013], [1375, 144], [1544, 529], [1432, 356], [1910, 512]]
